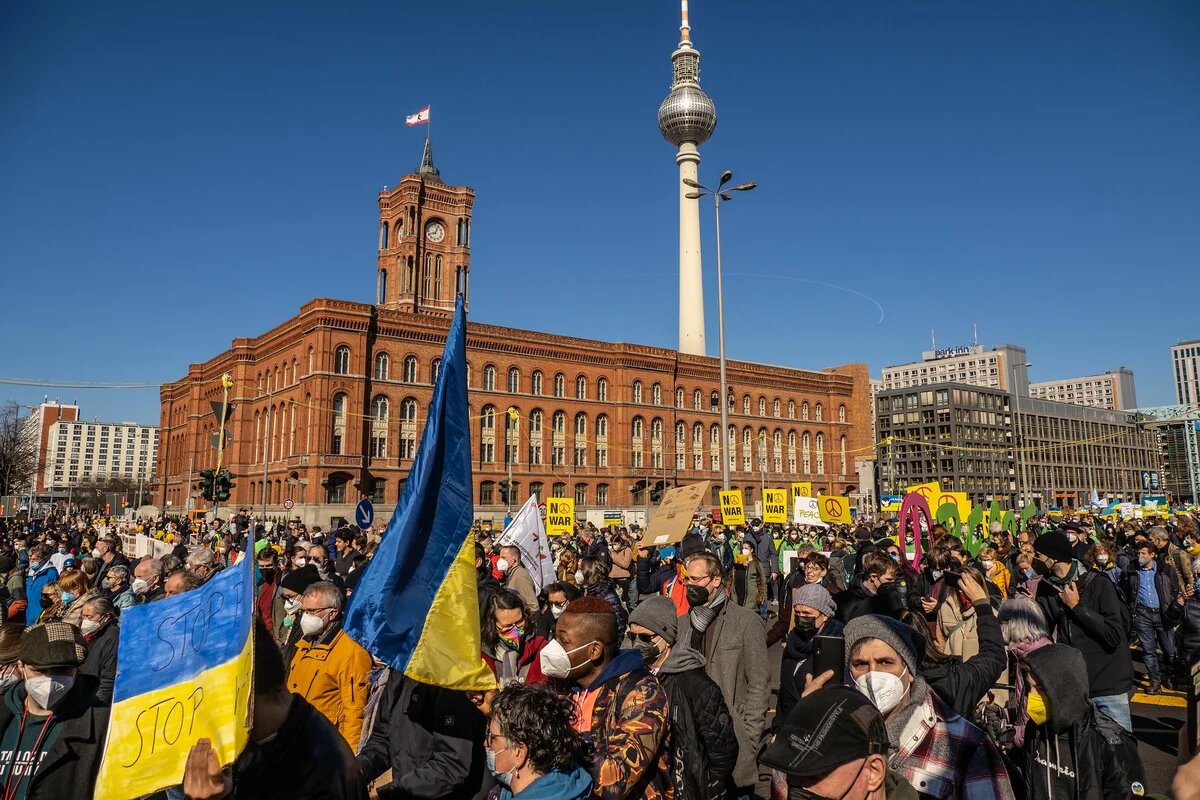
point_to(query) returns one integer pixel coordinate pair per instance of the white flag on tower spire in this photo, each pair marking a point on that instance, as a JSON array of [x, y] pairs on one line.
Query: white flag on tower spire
[[419, 118]]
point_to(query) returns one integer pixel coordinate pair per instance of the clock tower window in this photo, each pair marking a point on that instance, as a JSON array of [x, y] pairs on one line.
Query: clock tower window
[[437, 278]]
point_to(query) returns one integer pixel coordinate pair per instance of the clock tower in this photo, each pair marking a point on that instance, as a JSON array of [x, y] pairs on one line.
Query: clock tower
[[424, 242]]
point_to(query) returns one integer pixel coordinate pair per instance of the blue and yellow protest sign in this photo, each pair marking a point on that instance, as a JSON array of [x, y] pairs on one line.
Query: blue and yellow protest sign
[[184, 671]]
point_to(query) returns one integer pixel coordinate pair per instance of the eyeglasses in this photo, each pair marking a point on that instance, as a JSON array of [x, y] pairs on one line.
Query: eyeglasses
[[489, 736], [691, 580], [646, 638]]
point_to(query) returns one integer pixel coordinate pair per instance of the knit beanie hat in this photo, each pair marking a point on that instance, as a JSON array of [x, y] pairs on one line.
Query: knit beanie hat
[[815, 596], [657, 613], [300, 579], [906, 641], [1056, 545]]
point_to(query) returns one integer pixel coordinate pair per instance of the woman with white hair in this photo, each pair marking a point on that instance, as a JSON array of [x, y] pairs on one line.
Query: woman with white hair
[[1023, 626]]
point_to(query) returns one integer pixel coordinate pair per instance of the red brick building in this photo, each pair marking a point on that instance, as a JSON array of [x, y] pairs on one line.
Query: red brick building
[[329, 405]]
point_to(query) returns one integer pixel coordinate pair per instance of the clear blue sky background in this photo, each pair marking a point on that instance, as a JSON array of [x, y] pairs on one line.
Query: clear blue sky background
[[173, 175]]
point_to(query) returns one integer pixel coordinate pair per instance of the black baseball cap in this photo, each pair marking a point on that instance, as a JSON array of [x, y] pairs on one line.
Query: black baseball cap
[[828, 728]]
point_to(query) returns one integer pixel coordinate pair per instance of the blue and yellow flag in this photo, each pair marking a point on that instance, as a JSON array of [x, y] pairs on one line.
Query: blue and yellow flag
[[184, 671], [416, 606]]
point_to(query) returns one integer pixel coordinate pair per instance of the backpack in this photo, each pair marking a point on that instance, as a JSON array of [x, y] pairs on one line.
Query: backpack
[[1124, 749]]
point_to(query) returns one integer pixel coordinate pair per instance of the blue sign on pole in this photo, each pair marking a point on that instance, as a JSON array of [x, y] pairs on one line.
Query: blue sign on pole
[[364, 514]]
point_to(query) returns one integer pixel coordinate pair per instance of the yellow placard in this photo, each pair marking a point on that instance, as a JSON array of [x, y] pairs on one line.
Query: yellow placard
[[775, 505], [560, 516], [802, 489], [929, 491], [834, 509], [960, 499], [733, 511]]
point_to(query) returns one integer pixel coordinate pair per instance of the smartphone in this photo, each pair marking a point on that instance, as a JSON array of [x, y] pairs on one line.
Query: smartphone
[[952, 578], [830, 655]]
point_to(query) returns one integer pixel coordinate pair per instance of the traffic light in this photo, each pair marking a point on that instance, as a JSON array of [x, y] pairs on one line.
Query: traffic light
[[224, 483], [505, 490], [208, 484]]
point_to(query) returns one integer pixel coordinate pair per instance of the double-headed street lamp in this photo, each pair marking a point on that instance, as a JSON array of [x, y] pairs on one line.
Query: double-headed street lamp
[[718, 195]]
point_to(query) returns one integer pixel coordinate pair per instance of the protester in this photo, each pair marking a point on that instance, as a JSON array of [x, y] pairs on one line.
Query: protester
[[202, 563], [767, 555], [1154, 595], [1023, 626], [101, 632], [1071, 749], [10, 652], [749, 579], [532, 750], [517, 578], [834, 744], [624, 712], [1087, 614], [511, 648], [329, 669], [558, 595], [116, 587], [180, 581], [41, 574], [108, 553], [703, 738], [813, 609], [269, 598], [287, 624], [55, 727], [593, 579], [148, 575], [866, 593], [734, 645]]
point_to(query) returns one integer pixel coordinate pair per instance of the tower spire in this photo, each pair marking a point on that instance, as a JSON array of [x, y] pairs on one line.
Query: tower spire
[[427, 169], [685, 30]]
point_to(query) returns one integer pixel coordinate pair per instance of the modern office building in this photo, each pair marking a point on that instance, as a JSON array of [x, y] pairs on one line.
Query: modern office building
[[1113, 390], [1185, 360], [71, 450], [1003, 367], [1177, 429], [990, 444]]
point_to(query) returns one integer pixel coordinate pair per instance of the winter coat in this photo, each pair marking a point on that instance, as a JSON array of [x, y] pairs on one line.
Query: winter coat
[[573, 785], [529, 664], [520, 581], [622, 561], [704, 743], [764, 549], [749, 582], [598, 550], [1166, 587], [68, 770], [735, 651], [1079, 752], [1095, 628], [430, 738], [607, 591], [101, 661], [629, 731], [963, 684], [797, 664], [267, 771], [1189, 633], [856, 601], [723, 551], [333, 674], [34, 584]]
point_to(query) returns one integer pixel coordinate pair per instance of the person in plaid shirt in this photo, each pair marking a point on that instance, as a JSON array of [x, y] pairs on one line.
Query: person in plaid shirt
[[941, 754]]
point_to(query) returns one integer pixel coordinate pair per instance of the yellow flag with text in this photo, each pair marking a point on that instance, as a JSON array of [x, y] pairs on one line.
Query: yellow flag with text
[[733, 512], [775, 505]]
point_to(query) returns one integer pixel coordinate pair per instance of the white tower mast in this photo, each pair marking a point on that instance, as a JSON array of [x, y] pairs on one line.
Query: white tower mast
[[687, 118]]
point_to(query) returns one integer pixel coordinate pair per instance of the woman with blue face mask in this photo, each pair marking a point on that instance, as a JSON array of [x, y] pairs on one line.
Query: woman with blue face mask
[[531, 748]]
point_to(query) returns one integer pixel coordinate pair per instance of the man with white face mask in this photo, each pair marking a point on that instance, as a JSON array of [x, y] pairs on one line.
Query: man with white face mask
[[51, 729], [941, 754], [102, 634], [329, 669]]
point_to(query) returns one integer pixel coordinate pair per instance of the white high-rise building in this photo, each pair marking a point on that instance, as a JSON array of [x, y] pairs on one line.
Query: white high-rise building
[[1002, 367], [1113, 390], [71, 450], [1185, 359]]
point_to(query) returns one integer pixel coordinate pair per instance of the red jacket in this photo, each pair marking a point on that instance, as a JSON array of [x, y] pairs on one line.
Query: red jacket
[[530, 662]]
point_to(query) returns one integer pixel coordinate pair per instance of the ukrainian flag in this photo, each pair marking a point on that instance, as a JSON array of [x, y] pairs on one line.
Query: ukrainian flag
[[184, 672], [416, 606]]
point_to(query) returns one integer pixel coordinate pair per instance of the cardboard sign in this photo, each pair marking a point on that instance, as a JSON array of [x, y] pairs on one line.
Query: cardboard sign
[[802, 489], [733, 512], [775, 506], [673, 517], [807, 511], [834, 509], [560, 516]]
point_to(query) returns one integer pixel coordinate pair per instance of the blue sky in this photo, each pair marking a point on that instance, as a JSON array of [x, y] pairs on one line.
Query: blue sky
[[178, 174]]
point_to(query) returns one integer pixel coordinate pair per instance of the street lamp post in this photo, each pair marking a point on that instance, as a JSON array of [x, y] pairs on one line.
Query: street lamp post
[[1022, 478], [718, 195]]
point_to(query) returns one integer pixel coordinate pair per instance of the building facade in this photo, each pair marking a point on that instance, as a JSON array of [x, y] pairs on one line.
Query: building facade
[[1177, 429], [1003, 367], [329, 405], [71, 450], [1185, 361], [986, 443], [1113, 390]]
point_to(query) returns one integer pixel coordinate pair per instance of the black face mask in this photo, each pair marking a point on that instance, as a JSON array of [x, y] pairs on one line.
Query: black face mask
[[1040, 568], [806, 626], [697, 596], [47, 602], [648, 649], [267, 572]]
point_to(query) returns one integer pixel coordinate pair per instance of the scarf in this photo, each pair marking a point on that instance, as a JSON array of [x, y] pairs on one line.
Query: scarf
[[898, 720], [1071, 575], [702, 616], [1020, 690]]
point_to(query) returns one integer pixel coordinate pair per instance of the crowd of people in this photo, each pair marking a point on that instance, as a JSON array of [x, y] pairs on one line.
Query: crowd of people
[[999, 666]]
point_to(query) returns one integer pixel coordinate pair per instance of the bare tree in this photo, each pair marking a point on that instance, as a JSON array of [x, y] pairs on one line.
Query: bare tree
[[18, 450]]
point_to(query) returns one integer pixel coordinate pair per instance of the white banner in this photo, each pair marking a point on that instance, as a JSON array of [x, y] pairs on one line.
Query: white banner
[[807, 511], [527, 533]]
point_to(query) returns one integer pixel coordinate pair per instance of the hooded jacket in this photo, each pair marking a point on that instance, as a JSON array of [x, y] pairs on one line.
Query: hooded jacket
[[705, 747], [1078, 753], [573, 785]]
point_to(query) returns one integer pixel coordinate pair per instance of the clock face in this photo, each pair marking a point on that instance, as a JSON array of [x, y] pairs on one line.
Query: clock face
[[435, 232]]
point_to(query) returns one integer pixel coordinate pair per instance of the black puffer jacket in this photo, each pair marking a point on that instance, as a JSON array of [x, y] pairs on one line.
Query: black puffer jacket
[[796, 665], [1078, 753], [705, 744], [101, 661], [962, 684], [1094, 627]]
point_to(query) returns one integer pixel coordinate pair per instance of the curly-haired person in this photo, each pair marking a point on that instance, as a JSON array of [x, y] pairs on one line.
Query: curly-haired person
[[532, 749]]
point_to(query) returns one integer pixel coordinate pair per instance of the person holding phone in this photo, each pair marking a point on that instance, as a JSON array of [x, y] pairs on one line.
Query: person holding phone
[[813, 610]]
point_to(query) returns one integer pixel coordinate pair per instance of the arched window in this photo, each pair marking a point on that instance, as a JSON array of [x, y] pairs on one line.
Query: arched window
[[745, 404], [601, 426], [341, 360], [777, 451], [679, 397], [762, 406], [535, 386], [842, 413], [487, 435], [581, 424], [339, 423], [427, 277], [410, 277], [791, 453], [379, 409], [558, 443], [437, 278], [311, 361], [559, 490], [791, 409], [381, 366], [410, 369], [379, 427], [602, 389], [656, 430], [560, 384], [820, 413], [680, 432], [637, 391], [489, 378], [559, 422], [514, 380], [601, 494], [714, 402], [656, 394], [581, 494], [637, 429], [804, 410], [408, 410], [408, 429], [398, 231], [535, 438], [820, 453], [381, 287], [581, 388], [698, 434], [775, 407], [383, 236], [435, 369], [806, 453]]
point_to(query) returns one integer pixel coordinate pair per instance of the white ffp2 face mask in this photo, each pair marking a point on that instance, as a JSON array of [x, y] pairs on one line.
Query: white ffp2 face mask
[[311, 624], [502, 564], [883, 689], [555, 661], [48, 690]]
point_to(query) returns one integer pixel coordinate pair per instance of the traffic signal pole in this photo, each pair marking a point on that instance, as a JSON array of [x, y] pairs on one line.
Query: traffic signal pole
[[226, 385]]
